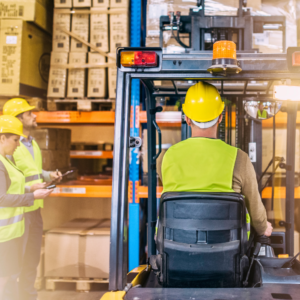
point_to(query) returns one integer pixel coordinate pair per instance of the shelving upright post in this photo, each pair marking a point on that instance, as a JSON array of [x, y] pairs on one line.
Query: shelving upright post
[[134, 208]]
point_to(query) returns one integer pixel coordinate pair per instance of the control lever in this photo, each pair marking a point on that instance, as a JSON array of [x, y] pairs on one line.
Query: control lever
[[254, 256], [289, 264]]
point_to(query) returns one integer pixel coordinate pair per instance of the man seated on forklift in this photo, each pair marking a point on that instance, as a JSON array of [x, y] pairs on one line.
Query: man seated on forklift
[[261, 112], [204, 163]]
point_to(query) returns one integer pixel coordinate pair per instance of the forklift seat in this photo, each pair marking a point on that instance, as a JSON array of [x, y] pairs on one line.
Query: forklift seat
[[201, 240]]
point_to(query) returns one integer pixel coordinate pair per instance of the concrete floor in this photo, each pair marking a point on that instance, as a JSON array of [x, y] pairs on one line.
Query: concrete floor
[[68, 292], [69, 295]]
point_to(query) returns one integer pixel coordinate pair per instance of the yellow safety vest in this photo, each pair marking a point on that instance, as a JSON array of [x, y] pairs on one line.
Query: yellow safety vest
[[12, 218], [32, 169], [262, 115], [200, 165]]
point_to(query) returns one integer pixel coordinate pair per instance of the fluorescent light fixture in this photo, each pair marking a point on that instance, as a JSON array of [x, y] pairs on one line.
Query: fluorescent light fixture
[[286, 92]]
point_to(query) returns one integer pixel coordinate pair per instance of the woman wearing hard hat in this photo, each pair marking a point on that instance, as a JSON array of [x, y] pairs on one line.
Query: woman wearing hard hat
[[13, 201]]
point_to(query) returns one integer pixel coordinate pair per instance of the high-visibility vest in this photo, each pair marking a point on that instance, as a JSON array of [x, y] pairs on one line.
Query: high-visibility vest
[[32, 169], [12, 218], [200, 165], [262, 115]]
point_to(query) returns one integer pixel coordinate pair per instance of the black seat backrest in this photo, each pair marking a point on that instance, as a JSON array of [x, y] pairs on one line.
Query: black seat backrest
[[201, 238]]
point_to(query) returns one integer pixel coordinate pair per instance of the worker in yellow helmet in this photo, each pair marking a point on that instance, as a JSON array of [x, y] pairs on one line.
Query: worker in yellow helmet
[[28, 159], [13, 201], [204, 163]]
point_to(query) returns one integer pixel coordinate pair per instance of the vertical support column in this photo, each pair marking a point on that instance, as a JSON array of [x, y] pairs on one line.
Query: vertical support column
[[134, 221], [290, 174]]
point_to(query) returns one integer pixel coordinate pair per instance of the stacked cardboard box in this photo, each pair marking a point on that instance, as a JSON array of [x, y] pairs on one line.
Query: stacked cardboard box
[[79, 67], [157, 8], [25, 42], [55, 145], [79, 248]]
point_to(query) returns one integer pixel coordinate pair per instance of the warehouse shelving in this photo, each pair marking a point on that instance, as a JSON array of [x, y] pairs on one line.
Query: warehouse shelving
[[75, 117]]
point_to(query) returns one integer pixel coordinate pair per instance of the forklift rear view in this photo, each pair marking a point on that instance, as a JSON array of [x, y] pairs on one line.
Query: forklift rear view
[[254, 87]]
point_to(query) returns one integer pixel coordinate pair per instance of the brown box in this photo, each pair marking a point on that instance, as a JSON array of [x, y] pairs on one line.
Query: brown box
[[49, 160], [101, 3], [46, 138], [76, 77], [119, 30], [79, 248], [82, 3], [57, 76], [61, 40], [96, 77], [80, 26], [37, 11], [119, 3], [63, 3], [63, 139], [23, 59], [112, 80], [99, 30], [62, 159]]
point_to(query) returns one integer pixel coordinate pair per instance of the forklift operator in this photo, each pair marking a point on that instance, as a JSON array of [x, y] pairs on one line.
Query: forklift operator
[[204, 163]]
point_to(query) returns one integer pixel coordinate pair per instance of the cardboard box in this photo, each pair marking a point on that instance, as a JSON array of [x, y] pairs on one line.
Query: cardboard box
[[63, 3], [99, 30], [61, 40], [76, 78], [80, 26], [63, 139], [82, 3], [101, 3], [55, 159], [37, 11], [79, 248], [46, 138], [112, 81], [119, 3], [23, 58], [96, 77], [58, 76], [119, 31]]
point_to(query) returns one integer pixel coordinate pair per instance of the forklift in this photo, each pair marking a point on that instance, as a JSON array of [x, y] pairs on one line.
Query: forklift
[[206, 268]]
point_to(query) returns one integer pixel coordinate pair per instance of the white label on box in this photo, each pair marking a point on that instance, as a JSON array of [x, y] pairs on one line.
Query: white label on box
[[56, 191], [261, 38], [157, 10], [91, 153], [73, 190], [11, 39], [153, 32]]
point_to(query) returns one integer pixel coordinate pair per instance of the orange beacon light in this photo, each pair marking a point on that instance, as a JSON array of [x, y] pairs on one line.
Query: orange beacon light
[[224, 58]]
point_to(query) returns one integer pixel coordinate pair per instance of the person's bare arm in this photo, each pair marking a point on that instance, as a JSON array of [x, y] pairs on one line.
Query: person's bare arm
[[245, 182]]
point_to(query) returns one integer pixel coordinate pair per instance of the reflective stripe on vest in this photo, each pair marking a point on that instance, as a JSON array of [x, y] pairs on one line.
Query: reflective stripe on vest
[[31, 167], [33, 177], [199, 165], [12, 218]]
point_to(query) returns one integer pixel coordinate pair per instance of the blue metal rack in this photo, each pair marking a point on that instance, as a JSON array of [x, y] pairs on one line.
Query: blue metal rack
[[134, 207]]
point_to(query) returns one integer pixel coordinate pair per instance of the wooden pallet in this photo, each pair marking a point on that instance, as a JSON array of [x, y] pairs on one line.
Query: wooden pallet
[[81, 284], [39, 103], [81, 104], [39, 283]]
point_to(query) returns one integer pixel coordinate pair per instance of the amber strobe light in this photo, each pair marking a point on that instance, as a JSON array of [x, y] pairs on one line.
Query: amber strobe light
[[139, 59], [296, 59], [224, 58]]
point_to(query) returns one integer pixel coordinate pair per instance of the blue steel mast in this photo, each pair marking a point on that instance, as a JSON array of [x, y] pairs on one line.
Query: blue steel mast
[[134, 207]]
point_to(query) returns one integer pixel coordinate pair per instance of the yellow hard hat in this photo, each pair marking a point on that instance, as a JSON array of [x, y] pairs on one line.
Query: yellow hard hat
[[16, 106], [10, 124], [203, 102]]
